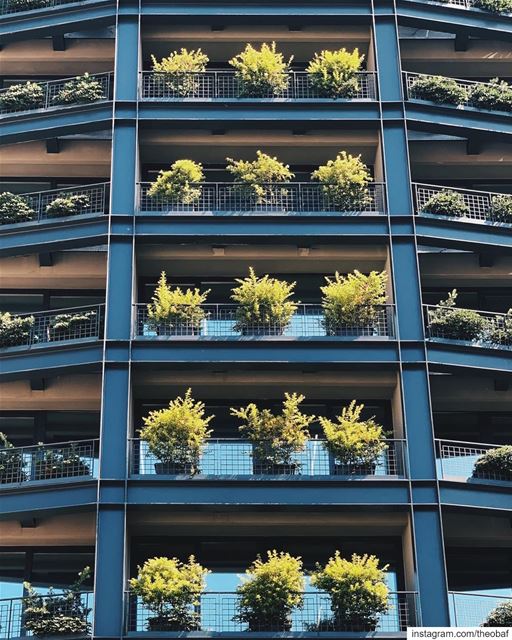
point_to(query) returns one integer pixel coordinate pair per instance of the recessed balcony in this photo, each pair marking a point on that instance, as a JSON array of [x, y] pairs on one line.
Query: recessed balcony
[[472, 609], [473, 462]]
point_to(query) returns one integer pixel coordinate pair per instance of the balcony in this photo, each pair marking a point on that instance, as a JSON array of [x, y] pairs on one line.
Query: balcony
[[456, 462], [471, 609]]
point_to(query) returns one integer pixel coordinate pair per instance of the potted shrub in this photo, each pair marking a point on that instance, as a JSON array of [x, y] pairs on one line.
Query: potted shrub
[[80, 90], [446, 321], [501, 208], [171, 590], [62, 614], [276, 438], [438, 89], [495, 94], [178, 73], [11, 462], [261, 73], [500, 616], [176, 436], [351, 302], [500, 330], [345, 182], [23, 96], [270, 591], [15, 208], [54, 463], [67, 205], [496, 6], [264, 308], [173, 311], [495, 464], [180, 183], [257, 180], [354, 444], [334, 73], [446, 203], [27, 5], [15, 330], [72, 326], [357, 590]]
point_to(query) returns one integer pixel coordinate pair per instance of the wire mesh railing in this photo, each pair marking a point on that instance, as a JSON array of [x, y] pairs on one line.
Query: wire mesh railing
[[51, 94], [299, 198], [52, 204], [464, 204], [236, 457], [52, 327], [216, 613], [56, 461], [16, 6], [223, 84], [221, 321], [462, 4], [15, 613], [411, 78], [456, 461], [472, 609]]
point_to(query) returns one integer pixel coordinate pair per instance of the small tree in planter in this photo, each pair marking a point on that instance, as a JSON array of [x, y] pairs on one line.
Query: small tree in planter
[[345, 182], [63, 614], [54, 463], [500, 616], [15, 330], [275, 438], [446, 203], [354, 444], [67, 205], [357, 589], [495, 94], [171, 590], [180, 183], [80, 90], [72, 326], [351, 302], [256, 180], [334, 73], [501, 208], [179, 71], [495, 464], [438, 89], [15, 208], [173, 311], [11, 462], [264, 307], [446, 321], [21, 97], [496, 6], [270, 591], [499, 331], [261, 73], [176, 436]]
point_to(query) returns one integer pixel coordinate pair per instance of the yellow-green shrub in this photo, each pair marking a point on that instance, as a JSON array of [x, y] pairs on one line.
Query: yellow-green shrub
[[345, 182], [261, 72], [334, 73], [176, 307], [179, 183], [178, 72], [257, 178]]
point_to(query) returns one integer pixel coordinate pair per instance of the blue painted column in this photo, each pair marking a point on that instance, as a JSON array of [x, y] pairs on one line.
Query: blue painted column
[[425, 511]]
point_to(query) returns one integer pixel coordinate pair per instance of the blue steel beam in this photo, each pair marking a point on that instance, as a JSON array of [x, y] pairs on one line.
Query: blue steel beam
[[456, 494], [41, 500], [457, 121], [448, 354], [463, 235]]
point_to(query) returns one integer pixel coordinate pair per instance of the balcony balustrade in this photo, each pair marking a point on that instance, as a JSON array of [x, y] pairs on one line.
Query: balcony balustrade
[[471, 609], [220, 322], [456, 461], [461, 4], [216, 614]]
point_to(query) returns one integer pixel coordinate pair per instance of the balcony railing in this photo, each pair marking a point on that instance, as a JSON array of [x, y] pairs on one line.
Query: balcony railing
[[293, 198], [55, 327], [481, 206], [462, 4], [451, 323], [223, 84], [220, 321], [456, 461], [472, 609], [13, 617], [96, 200], [62, 460], [52, 88], [235, 457], [216, 613]]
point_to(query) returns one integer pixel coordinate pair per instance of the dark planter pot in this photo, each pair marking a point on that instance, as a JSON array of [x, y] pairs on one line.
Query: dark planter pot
[[262, 624], [173, 469], [163, 623], [185, 330], [263, 331], [265, 468], [340, 469], [356, 330], [352, 623]]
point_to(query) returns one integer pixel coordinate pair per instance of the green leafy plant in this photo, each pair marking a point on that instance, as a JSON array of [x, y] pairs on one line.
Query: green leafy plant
[[15, 330], [177, 435], [75, 325], [176, 308], [355, 443], [345, 182], [275, 437], [261, 73], [179, 71], [499, 330], [27, 5], [170, 589], [438, 89], [446, 203], [351, 302], [264, 307], [180, 183], [11, 462], [357, 590], [67, 205], [495, 94], [500, 616], [62, 614], [53, 463], [80, 90], [495, 463], [496, 6], [19, 97], [500, 209], [270, 591], [334, 73], [446, 321], [15, 208]]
